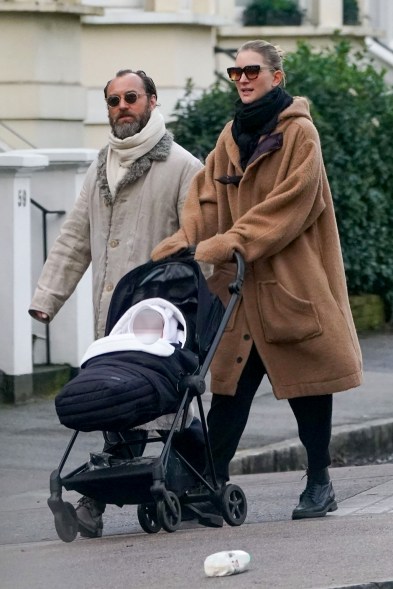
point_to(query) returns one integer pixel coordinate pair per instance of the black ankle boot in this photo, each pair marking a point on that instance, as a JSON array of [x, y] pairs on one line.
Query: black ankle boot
[[317, 498]]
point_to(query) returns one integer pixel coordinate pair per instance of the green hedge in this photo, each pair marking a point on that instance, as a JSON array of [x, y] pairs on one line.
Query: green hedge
[[197, 122], [288, 13], [272, 13], [352, 107]]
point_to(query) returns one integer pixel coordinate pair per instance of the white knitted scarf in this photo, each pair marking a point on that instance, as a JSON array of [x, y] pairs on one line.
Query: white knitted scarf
[[123, 152]]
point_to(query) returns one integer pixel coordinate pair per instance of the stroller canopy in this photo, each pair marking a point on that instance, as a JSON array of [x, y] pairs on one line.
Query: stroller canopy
[[179, 280]]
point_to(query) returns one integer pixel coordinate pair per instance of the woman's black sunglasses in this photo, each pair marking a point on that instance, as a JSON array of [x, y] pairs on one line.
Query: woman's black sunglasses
[[130, 98], [250, 71]]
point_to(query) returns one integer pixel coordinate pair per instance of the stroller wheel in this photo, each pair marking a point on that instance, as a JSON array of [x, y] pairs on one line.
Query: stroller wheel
[[66, 522], [169, 516], [148, 519], [233, 505]]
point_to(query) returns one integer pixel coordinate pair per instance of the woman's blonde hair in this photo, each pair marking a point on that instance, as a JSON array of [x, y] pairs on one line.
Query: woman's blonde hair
[[273, 55]]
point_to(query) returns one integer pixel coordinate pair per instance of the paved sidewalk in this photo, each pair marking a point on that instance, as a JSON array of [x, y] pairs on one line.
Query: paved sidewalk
[[377, 500], [350, 548]]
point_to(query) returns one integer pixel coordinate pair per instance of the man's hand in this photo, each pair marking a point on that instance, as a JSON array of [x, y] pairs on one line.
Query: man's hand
[[39, 315]]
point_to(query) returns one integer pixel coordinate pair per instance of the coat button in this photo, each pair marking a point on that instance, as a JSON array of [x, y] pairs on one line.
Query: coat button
[[109, 287], [114, 243], [246, 337], [239, 359]]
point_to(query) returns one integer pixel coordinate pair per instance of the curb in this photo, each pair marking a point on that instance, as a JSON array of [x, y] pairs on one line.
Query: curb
[[350, 444], [370, 585]]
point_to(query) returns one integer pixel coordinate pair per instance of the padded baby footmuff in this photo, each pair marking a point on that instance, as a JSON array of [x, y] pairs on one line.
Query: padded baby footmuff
[[116, 392], [129, 377]]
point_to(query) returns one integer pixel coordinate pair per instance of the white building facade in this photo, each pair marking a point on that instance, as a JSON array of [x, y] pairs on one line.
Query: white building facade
[[59, 56]]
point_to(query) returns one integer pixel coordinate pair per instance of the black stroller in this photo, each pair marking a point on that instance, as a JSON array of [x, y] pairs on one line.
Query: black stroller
[[161, 485]]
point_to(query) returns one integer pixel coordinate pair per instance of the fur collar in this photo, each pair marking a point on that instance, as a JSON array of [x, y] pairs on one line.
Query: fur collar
[[160, 152]]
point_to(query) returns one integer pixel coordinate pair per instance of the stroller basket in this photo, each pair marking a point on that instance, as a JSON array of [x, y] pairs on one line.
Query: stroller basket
[[114, 485]]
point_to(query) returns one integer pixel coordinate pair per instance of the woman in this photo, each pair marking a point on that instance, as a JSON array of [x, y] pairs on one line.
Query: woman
[[264, 193]]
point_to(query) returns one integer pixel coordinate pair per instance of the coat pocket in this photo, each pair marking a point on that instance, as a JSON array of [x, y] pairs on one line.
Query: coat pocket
[[285, 317]]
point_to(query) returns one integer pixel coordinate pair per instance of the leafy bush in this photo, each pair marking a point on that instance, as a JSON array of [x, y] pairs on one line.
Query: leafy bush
[[198, 121], [272, 12], [352, 108]]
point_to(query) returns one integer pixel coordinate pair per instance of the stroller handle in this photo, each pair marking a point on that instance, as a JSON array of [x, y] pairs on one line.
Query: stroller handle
[[236, 286], [235, 290]]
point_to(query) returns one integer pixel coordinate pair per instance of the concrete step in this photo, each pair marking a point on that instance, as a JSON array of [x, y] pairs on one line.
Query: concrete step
[[49, 379], [45, 382]]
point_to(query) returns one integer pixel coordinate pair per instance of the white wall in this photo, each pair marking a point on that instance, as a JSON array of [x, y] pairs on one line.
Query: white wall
[[56, 188], [41, 95], [380, 13], [15, 289]]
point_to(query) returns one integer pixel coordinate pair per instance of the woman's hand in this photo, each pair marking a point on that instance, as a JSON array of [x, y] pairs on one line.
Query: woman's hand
[[169, 246], [216, 250]]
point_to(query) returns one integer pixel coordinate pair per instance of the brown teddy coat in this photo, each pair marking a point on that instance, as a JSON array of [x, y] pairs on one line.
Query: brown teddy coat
[[279, 215]]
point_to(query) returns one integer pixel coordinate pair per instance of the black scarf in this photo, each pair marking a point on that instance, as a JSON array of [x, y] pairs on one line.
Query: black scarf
[[256, 119]]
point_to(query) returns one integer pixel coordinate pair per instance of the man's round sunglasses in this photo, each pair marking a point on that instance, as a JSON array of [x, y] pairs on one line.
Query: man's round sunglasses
[[250, 71], [130, 98]]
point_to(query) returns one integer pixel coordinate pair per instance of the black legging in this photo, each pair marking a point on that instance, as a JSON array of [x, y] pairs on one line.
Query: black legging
[[228, 417]]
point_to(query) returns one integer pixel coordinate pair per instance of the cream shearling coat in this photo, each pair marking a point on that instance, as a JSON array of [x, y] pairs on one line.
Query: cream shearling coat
[[118, 233], [279, 215]]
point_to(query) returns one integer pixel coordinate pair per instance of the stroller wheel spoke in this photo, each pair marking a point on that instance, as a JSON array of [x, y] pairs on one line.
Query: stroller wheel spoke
[[234, 505], [169, 516], [148, 519]]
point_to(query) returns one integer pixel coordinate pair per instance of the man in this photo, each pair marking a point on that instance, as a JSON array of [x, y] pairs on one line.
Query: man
[[130, 200]]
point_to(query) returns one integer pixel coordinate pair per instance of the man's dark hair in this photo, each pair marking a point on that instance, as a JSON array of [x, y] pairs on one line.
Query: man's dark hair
[[150, 87]]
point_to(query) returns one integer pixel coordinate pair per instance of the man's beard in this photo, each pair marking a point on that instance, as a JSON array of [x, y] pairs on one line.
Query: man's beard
[[126, 129]]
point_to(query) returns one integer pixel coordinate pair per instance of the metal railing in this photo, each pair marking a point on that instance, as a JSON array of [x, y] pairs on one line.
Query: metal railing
[[45, 212]]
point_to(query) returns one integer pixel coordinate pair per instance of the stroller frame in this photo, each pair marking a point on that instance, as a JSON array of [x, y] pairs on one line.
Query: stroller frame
[[161, 485]]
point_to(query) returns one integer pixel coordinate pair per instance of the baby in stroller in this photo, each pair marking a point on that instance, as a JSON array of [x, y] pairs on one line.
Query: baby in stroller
[[130, 376], [144, 374]]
